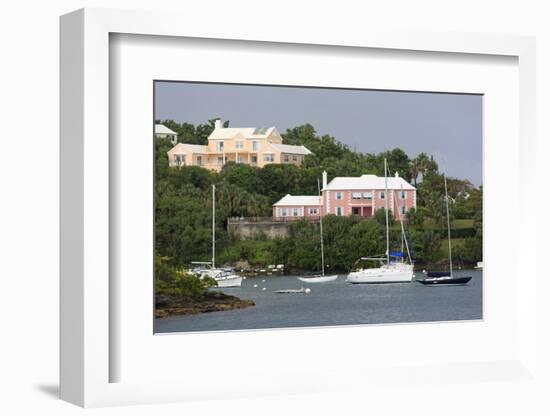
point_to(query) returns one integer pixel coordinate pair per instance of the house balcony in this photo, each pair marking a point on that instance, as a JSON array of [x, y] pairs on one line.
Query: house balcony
[[362, 211], [361, 202]]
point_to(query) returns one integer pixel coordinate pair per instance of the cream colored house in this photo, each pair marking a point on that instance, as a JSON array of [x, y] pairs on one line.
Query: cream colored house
[[161, 131], [249, 145]]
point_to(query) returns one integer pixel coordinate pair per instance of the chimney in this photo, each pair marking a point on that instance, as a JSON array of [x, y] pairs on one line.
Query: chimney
[[324, 179], [217, 124], [396, 174]]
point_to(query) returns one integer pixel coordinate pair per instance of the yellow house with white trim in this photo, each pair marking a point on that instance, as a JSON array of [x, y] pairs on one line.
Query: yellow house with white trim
[[248, 145]]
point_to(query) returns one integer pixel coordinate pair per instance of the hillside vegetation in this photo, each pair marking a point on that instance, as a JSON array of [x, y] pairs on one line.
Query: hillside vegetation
[[183, 207]]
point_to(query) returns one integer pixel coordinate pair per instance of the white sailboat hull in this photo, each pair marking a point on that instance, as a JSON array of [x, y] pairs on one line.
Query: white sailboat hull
[[318, 279], [401, 273], [229, 281], [222, 277]]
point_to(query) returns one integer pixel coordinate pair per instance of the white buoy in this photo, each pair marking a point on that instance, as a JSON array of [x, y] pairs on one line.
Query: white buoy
[[255, 285], [307, 290], [263, 280], [263, 288]]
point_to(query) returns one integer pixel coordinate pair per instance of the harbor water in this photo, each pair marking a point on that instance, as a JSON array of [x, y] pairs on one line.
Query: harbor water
[[336, 303]]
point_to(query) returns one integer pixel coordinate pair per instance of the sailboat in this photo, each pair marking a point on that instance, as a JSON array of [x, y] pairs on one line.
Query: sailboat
[[393, 267], [320, 278], [445, 278], [223, 277]]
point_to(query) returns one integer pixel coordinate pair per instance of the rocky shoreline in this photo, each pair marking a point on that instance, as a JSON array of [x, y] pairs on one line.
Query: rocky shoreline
[[166, 306]]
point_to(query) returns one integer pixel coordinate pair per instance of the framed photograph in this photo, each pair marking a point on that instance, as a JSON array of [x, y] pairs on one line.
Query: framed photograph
[[313, 214], [249, 219]]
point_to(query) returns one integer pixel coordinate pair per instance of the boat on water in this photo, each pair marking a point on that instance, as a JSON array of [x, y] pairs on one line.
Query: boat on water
[[224, 277], [305, 290], [393, 267], [441, 278], [391, 272], [445, 280], [319, 278], [479, 265]]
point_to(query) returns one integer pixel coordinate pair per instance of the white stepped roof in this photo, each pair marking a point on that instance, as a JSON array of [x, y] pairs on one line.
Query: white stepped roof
[[366, 182], [289, 148], [162, 129], [297, 200], [193, 148], [247, 132]]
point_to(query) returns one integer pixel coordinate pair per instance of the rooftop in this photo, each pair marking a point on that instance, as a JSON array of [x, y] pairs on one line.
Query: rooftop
[[365, 182], [162, 129], [194, 148], [289, 148], [297, 200], [246, 132]]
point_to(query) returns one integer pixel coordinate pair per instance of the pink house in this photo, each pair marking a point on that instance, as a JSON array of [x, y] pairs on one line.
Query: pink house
[[361, 196], [297, 207]]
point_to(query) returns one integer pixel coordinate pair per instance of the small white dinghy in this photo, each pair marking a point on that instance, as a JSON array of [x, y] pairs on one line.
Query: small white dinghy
[[305, 290], [317, 278]]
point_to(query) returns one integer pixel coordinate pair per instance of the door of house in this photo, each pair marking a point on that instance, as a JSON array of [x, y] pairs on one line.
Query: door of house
[[367, 212]]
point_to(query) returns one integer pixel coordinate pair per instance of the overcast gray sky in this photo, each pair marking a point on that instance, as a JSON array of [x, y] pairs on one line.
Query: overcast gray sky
[[447, 126]]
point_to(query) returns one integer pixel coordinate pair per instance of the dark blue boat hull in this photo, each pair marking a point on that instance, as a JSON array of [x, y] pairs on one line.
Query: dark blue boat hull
[[435, 281]]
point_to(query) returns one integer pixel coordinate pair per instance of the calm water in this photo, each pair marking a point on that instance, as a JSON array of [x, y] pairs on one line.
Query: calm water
[[337, 303]]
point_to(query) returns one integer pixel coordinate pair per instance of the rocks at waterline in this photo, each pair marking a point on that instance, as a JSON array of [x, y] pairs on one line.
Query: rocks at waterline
[[166, 306]]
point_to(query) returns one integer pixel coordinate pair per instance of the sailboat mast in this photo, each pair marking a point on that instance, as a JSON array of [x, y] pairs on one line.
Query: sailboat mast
[[403, 237], [321, 229], [213, 226], [386, 211], [448, 226]]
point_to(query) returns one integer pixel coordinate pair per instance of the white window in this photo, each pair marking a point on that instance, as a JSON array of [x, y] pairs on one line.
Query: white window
[[356, 195], [294, 158], [219, 146], [254, 159], [199, 160], [403, 209], [269, 157], [367, 195], [403, 195], [339, 195], [295, 212], [239, 145], [285, 158], [240, 159], [313, 211], [339, 211], [220, 160], [180, 159], [254, 145], [284, 212], [382, 195]]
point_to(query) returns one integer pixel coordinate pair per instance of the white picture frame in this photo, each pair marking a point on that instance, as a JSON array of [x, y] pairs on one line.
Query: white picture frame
[[86, 332]]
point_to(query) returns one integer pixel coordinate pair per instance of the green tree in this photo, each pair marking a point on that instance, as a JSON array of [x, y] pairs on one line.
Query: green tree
[[398, 162], [380, 217], [171, 281], [415, 217]]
